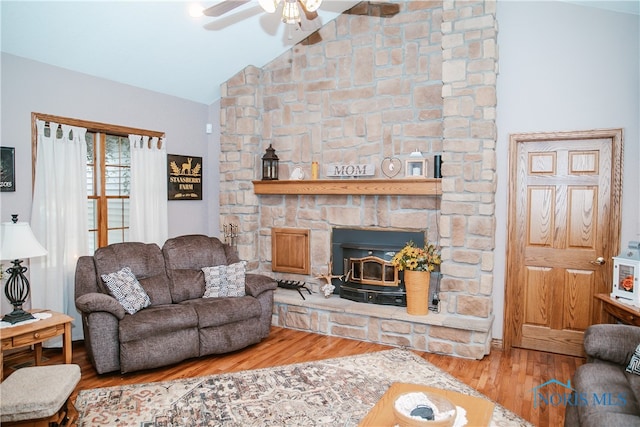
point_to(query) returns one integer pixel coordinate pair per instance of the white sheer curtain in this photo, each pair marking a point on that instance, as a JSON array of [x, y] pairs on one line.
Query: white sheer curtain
[[59, 218], [148, 218]]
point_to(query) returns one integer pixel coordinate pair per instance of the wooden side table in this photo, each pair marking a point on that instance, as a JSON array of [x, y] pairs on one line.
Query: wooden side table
[[625, 313], [35, 333]]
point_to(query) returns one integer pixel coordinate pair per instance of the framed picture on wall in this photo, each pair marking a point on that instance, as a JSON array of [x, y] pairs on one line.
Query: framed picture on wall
[[184, 177], [7, 169]]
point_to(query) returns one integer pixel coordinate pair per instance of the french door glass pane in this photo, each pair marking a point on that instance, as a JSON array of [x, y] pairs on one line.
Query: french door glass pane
[[117, 180], [118, 213], [118, 235], [117, 150]]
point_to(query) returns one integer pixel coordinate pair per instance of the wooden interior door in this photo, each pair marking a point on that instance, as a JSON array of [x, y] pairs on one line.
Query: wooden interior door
[[564, 228]]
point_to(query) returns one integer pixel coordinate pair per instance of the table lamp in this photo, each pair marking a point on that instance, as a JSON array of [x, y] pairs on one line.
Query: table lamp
[[17, 242]]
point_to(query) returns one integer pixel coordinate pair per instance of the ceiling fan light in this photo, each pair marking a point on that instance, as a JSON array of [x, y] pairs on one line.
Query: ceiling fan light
[[311, 5], [269, 6], [291, 12]]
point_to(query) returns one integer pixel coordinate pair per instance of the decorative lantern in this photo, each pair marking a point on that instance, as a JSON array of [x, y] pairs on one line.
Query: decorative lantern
[[626, 273], [270, 165]]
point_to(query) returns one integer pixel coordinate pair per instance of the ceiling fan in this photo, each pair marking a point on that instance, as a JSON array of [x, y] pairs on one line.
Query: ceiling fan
[[297, 12]]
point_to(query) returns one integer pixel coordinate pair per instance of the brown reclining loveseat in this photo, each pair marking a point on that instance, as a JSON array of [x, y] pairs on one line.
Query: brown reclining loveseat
[[177, 322]]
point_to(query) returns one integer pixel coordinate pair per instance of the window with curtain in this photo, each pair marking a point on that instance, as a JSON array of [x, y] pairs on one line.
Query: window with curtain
[[92, 187], [108, 178]]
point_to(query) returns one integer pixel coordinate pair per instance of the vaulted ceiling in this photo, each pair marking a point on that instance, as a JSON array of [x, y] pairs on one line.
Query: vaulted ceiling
[[158, 45]]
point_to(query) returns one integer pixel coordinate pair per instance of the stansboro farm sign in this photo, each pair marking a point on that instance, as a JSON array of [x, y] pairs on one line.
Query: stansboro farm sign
[[185, 177], [337, 170]]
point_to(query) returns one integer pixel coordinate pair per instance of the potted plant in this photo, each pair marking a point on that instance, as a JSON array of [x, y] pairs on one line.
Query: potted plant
[[417, 265]]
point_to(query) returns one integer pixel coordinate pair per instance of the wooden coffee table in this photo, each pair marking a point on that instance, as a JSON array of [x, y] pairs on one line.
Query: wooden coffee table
[[35, 333]]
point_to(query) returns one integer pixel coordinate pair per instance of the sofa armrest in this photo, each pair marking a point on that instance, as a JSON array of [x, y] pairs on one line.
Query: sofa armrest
[[93, 302], [255, 284], [611, 342]]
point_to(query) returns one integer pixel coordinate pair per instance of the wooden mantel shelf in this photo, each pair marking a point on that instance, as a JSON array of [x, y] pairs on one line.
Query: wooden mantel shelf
[[398, 187]]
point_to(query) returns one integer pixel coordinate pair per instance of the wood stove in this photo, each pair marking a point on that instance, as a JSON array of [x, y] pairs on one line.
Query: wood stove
[[363, 258]]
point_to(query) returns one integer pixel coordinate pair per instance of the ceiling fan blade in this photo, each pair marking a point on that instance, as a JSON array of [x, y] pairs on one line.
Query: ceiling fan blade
[[313, 38], [310, 15], [310, 21], [223, 7], [372, 8], [232, 18]]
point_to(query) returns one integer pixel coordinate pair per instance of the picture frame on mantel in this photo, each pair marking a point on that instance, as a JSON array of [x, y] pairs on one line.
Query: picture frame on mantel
[[7, 169], [415, 168]]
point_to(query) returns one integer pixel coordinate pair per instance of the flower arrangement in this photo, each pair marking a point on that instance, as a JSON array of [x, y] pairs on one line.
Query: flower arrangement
[[414, 258]]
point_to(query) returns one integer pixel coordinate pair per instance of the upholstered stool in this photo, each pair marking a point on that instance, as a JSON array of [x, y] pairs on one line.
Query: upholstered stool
[[39, 395]]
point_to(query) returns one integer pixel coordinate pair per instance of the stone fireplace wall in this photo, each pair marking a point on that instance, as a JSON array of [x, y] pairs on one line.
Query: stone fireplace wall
[[374, 88]]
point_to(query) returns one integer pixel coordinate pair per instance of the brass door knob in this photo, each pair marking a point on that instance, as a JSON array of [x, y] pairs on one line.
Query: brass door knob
[[598, 261]]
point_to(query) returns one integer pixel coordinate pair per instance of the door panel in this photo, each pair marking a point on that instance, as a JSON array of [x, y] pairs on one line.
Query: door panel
[[564, 212], [582, 208], [538, 294], [541, 215]]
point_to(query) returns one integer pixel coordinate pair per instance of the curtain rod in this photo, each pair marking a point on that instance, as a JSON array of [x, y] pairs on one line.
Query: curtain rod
[[95, 126]]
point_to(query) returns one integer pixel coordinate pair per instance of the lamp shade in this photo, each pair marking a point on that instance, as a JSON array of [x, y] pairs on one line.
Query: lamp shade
[[18, 242]]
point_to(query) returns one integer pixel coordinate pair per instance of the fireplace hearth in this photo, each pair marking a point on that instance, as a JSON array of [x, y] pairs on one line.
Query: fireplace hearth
[[363, 258]]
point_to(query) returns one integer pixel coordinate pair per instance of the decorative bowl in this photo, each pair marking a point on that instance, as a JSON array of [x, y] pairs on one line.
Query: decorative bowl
[[422, 409]]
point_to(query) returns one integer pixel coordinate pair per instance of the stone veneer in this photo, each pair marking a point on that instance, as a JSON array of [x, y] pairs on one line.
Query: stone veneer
[[372, 88]]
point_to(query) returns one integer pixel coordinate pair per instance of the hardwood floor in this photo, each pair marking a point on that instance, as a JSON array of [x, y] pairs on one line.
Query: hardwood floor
[[505, 378]]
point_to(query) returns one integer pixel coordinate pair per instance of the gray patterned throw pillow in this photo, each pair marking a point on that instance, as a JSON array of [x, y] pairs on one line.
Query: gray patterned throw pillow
[[127, 290], [634, 364], [224, 280]]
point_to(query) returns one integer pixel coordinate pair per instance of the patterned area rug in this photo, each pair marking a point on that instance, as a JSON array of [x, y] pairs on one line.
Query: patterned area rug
[[332, 392]]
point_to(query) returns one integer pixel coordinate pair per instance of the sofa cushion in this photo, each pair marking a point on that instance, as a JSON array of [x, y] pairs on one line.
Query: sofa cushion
[[157, 320], [225, 280], [124, 287], [186, 284], [159, 350], [221, 311], [595, 380], [611, 342], [145, 261], [184, 257]]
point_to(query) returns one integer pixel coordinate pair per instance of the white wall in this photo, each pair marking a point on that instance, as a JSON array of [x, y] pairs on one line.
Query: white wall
[[566, 67], [212, 193]]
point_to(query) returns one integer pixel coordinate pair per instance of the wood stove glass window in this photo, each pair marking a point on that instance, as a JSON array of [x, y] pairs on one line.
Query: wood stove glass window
[[373, 271]]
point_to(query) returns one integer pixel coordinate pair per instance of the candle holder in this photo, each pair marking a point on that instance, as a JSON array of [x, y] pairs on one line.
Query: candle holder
[[230, 232]]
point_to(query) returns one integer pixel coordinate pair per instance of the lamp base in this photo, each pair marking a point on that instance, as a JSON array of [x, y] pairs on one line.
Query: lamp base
[[17, 316]]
